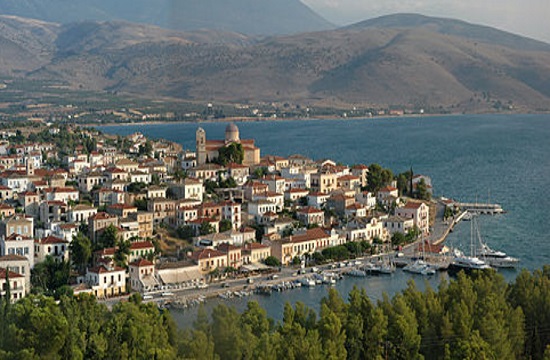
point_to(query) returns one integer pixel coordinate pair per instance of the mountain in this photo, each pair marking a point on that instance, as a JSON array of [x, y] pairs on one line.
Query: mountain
[[406, 60], [252, 17]]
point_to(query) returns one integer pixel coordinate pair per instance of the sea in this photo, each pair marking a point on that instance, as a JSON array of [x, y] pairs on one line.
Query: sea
[[502, 159]]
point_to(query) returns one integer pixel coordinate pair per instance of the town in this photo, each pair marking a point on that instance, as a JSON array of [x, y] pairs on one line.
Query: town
[[84, 212]]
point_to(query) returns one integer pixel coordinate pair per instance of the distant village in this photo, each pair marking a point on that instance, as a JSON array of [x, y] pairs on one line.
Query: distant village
[[84, 212]]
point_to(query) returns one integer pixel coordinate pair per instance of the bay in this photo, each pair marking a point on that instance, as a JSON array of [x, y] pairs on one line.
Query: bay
[[503, 159]]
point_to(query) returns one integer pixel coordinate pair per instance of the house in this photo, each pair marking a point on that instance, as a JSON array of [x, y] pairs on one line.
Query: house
[[17, 224], [121, 210], [311, 216], [141, 250], [156, 192], [206, 171], [66, 231], [6, 210], [164, 210], [259, 207], [53, 211], [211, 210], [272, 197], [355, 210], [349, 182], [324, 182], [142, 276], [57, 248], [209, 260], [30, 201], [275, 184], [6, 193], [255, 253], [398, 224], [298, 245], [64, 194], [185, 214], [339, 202], [145, 223], [361, 171], [238, 172], [234, 256], [252, 188], [419, 212], [232, 211], [98, 222], [366, 229], [80, 213], [18, 264], [367, 199], [188, 188], [387, 195], [294, 195], [317, 199], [106, 281], [16, 284], [17, 244]]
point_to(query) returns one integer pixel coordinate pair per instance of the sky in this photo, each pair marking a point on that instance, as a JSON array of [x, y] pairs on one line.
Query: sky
[[529, 18]]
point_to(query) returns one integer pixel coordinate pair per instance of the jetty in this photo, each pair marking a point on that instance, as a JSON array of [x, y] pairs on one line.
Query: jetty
[[481, 208]]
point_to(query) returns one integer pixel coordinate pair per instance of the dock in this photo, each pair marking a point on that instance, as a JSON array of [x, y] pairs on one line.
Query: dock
[[481, 208]]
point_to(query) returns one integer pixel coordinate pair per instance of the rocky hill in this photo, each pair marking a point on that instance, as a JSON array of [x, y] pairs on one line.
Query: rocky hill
[[406, 60]]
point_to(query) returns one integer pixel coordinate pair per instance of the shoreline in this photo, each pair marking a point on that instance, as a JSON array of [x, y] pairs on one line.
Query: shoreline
[[317, 118]]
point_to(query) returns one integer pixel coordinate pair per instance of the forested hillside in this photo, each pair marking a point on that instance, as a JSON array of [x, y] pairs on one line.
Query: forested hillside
[[482, 317]]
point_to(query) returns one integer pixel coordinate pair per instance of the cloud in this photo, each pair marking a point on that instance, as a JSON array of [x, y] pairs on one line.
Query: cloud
[[526, 17]]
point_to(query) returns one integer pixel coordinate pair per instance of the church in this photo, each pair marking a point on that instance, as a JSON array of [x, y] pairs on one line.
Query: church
[[207, 150]]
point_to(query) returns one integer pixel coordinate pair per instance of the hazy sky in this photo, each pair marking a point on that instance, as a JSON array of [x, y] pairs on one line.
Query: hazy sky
[[525, 17]]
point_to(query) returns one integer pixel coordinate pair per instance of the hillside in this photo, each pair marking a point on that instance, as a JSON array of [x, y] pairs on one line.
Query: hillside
[[252, 17], [410, 60]]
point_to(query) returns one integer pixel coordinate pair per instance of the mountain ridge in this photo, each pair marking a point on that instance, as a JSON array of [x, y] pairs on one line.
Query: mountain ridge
[[252, 17], [413, 66]]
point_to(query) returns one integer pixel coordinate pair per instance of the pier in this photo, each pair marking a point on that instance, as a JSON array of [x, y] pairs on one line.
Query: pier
[[481, 208]]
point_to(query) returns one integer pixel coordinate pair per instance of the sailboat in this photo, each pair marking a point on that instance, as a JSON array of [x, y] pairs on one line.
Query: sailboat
[[420, 266], [494, 258], [468, 263]]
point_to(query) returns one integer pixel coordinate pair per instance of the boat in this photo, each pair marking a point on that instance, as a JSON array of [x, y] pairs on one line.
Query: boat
[[497, 259], [387, 268], [371, 268], [471, 263], [357, 273], [419, 267], [307, 282]]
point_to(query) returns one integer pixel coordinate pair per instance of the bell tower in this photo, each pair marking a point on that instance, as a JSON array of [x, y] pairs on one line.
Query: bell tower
[[201, 146]]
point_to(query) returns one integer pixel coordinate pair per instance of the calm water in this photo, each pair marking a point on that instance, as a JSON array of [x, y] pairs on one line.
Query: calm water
[[497, 158]]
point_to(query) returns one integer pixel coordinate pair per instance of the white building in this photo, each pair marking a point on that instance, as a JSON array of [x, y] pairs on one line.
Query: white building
[[16, 284], [55, 247]]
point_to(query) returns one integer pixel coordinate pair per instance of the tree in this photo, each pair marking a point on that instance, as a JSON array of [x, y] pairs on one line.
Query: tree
[[378, 177], [81, 251], [232, 153], [422, 192], [225, 225], [206, 228], [185, 232], [146, 148], [272, 261], [49, 276], [398, 239], [108, 238], [122, 252]]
